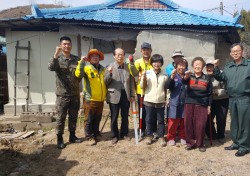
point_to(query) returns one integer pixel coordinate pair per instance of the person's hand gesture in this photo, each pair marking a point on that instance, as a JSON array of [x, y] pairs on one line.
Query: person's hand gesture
[[110, 69], [216, 62], [84, 59], [58, 51], [173, 73], [187, 74], [209, 110], [132, 99], [131, 58], [143, 74]]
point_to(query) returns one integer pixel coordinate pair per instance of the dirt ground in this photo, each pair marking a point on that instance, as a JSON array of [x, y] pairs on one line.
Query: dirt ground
[[38, 156]]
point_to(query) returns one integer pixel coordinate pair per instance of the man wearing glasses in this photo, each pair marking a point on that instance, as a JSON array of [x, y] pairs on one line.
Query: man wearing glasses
[[236, 75]]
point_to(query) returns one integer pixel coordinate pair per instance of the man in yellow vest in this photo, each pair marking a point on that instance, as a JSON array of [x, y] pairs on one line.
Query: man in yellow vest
[[137, 68]]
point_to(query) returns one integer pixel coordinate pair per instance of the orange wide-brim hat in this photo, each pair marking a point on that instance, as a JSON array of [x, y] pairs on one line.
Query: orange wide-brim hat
[[95, 51]]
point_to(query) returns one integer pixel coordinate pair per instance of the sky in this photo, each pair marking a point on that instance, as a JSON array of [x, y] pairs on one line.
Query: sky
[[230, 6]]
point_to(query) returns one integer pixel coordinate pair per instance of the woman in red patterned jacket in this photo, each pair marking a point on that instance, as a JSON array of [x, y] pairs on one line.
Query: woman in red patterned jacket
[[197, 104]]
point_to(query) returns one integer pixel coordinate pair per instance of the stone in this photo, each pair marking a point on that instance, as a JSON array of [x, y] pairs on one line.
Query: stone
[[27, 118], [17, 126], [43, 118], [33, 126], [48, 126]]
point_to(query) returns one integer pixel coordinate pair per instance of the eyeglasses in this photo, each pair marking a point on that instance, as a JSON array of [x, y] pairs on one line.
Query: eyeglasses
[[236, 51], [120, 55]]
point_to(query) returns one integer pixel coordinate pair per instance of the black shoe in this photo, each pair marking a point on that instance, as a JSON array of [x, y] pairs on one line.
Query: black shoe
[[98, 137], [114, 140], [221, 140], [240, 153], [202, 149], [60, 143], [73, 138], [143, 134], [126, 138], [190, 147], [231, 147]]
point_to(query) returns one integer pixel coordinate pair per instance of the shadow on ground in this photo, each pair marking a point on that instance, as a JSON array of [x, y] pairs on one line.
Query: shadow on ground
[[18, 163]]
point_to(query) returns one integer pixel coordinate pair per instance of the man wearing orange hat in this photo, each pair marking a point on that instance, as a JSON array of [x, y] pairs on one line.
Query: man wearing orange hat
[[94, 92]]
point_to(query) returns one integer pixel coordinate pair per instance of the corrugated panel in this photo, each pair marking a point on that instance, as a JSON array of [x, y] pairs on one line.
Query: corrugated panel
[[178, 16], [138, 16]]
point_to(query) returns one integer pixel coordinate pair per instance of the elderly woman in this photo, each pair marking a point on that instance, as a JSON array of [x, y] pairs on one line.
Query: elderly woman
[[197, 104], [176, 103]]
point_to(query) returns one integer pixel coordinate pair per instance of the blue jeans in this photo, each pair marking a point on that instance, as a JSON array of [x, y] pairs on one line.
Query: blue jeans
[[154, 115]]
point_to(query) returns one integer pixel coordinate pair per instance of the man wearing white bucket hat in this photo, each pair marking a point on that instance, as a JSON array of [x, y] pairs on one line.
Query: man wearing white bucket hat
[[177, 56]]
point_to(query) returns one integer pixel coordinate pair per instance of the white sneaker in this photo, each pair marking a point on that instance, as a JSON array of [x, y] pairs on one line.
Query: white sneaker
[[155, 136], [92, 141], [171, 142], [163, 142], [148, 140], [183, 142]]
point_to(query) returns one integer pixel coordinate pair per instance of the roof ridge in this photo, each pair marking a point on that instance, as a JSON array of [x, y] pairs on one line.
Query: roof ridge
[[168, 3]]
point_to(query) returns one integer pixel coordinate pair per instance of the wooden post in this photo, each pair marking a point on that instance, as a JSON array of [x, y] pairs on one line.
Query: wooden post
[[79, 46]]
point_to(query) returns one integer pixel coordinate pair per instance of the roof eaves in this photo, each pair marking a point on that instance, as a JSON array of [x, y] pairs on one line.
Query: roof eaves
[[237, 19]]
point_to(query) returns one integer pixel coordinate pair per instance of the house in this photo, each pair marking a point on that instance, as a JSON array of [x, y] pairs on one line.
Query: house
[[117, 23]]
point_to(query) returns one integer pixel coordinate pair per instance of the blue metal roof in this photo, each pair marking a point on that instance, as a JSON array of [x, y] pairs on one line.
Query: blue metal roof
[[107, 12]]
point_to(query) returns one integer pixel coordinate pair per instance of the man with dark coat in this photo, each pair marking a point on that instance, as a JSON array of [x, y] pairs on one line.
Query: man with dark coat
[[236, 75]]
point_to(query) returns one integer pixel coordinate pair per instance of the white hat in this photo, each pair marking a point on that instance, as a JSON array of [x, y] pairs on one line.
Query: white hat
[[210, 61], [177, 52]]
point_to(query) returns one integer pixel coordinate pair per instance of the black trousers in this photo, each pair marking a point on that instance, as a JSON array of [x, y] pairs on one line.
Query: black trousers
[[123, 105], [1, 107], [154, 115], [219, 109]]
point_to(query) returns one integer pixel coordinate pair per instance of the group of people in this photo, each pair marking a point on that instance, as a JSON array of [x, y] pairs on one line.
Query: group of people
[[195, 98]]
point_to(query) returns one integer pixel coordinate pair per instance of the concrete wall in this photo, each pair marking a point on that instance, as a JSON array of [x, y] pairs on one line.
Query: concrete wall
[[165, 42], [223, 51]]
